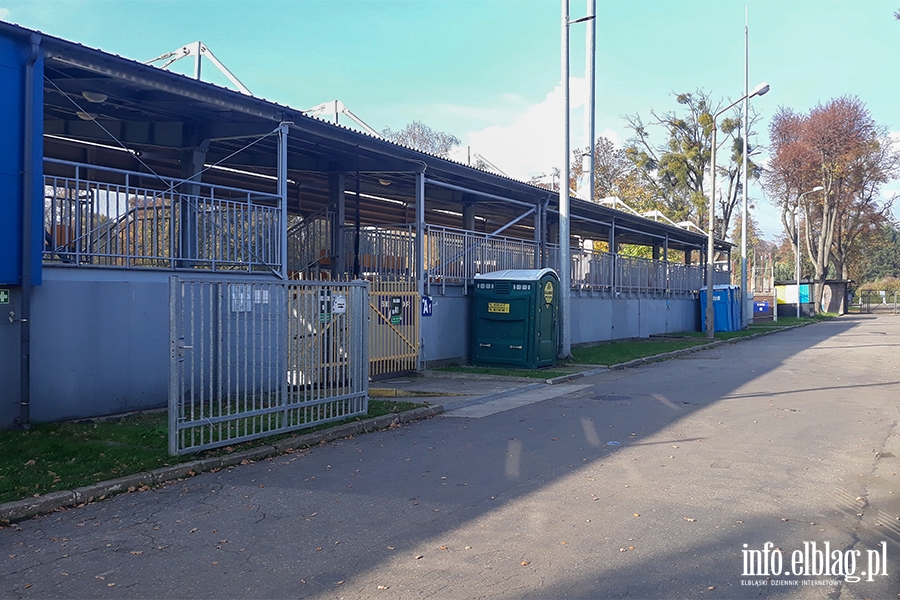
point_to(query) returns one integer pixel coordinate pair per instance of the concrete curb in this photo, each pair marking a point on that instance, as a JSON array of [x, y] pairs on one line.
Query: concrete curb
[[452, 375], [675, 353], [395, 393], [578, 375], [30, 507]]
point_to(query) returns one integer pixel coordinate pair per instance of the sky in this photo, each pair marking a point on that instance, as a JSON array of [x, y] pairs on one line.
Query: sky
[[488, 71]]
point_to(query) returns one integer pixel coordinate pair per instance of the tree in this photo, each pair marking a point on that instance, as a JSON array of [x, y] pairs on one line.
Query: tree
[[610, 166], [616, 175], [881, 258], [421, 137], [839, 147], [676, 171]]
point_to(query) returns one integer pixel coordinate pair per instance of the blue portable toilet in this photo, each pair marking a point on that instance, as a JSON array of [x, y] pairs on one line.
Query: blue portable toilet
[[737, 319], [726, 315]]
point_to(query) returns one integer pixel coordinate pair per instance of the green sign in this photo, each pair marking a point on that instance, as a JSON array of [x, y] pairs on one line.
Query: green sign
[[396, 310], [325, 306], [4, 296]]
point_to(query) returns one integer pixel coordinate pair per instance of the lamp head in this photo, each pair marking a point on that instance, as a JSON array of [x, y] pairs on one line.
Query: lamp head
[[95, 97], [760, 90]]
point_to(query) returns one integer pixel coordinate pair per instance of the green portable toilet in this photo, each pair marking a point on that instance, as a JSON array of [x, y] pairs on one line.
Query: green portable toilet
[[515, 318]]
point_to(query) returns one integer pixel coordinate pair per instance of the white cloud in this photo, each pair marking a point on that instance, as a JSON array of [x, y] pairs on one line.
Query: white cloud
[[531, 144], [4, 13]]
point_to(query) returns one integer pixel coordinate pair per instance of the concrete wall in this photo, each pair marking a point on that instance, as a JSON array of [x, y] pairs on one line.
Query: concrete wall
[[446, 334], [601, 319], [100, 345], [100, 338]]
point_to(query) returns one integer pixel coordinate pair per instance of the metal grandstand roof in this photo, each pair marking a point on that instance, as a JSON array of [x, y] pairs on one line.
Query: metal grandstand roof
[[157, 115]]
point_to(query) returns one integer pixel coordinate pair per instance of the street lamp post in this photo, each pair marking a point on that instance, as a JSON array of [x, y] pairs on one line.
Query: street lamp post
[[759, 90], [818, 188]]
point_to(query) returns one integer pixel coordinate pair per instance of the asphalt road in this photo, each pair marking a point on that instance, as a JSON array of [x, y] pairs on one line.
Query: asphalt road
[[655, 482]]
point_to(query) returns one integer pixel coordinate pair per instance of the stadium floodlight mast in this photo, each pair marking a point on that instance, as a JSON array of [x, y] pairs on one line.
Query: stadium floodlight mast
[[818, 188], [565, 260], [759, 90]]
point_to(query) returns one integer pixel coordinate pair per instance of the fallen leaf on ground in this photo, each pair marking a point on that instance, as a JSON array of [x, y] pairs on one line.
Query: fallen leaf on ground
[[525, 563]]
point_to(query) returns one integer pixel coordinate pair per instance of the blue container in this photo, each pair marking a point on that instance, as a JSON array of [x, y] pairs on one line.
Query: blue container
[[726, 308]]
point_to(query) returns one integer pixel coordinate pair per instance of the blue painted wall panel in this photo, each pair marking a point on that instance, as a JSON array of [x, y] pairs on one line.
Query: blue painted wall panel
[[12, 113]]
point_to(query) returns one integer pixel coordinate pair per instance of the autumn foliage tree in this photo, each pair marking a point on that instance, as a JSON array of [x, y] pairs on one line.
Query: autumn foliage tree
[[839, 147]]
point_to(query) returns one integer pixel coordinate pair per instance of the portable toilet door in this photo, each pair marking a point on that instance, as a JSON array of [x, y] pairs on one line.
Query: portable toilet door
[[547, 330]]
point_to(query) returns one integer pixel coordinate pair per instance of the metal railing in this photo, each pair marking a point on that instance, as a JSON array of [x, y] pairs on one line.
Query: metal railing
[[615, 273], [385, 250], [455, 256], [100, 216], [309, 244], [592, 271], [721, 276], [686, 278]]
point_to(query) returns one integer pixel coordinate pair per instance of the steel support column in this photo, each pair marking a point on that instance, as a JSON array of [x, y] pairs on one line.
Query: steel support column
[[420, 233], [337, 198], [283, 131], [191, 170]]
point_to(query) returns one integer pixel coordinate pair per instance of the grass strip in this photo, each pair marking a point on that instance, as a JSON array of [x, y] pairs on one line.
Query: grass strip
[[618, 352], [62, 456]]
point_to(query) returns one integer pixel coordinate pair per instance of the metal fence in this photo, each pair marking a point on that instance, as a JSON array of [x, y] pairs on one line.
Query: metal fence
[[251, 359], [110, 217], [874, 301]]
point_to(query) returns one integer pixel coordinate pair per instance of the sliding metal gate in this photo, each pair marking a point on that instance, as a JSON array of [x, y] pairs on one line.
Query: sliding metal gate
[[249, 359]]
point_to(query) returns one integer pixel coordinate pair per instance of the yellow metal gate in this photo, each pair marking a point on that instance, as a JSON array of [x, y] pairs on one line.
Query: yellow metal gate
[[393, 327]]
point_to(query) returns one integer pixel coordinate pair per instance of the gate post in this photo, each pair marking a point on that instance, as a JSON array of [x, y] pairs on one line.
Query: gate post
[[173, 365]]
